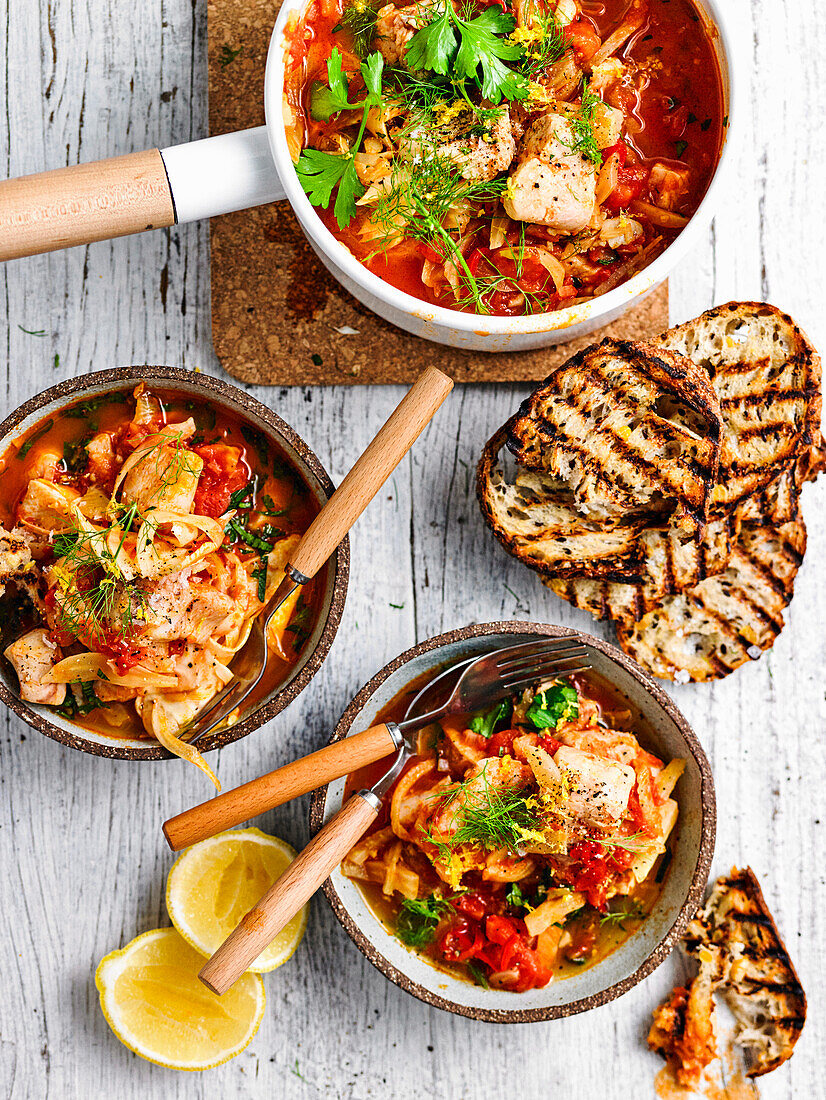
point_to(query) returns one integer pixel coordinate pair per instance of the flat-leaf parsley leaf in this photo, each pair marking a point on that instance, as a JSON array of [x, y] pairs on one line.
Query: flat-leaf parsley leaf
[[451, 45], [318, 172]]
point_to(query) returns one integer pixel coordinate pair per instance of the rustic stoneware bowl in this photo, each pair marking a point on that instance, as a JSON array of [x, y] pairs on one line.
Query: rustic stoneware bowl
[[202, 388], [663, 729]]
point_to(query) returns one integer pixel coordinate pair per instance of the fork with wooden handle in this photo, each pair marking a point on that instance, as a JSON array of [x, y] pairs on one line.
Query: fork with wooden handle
[[502, 672], [371, 470], [483, 682]]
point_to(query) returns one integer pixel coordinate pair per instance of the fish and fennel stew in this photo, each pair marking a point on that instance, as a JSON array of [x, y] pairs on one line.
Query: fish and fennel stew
[[141, 534], [505, 158], [521, 844]]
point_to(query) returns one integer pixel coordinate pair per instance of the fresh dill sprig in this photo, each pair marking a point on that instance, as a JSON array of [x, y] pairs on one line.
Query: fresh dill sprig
[[582, 125], [633, 843], [418, 919], [496, 281], [359, 18], [491, 817], [632, 911], [95, 602], [419, 199], [542, 39]]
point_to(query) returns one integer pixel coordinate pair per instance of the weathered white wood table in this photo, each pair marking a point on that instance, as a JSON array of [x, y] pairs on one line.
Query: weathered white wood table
[[83, 860]]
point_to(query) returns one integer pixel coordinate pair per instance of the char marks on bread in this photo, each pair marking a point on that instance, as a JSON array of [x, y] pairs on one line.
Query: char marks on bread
[[739, 952], [659, 485]]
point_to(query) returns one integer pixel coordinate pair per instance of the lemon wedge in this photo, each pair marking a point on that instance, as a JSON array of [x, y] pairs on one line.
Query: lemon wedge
[[216, 882], [154, 1003]]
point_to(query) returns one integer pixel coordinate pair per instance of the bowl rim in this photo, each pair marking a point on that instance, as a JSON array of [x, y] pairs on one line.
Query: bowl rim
[[72, 388], [699, 877], [468, 325]]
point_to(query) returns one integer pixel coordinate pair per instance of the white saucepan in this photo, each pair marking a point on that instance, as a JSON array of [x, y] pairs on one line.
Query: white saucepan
[[163, 187]]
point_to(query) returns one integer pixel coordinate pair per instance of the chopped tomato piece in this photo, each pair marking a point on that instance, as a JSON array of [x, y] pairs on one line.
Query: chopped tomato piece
[[502, 742], [472, 905], [621, 149], [548, 743], [222, 475], [582, 37], [631, 181]]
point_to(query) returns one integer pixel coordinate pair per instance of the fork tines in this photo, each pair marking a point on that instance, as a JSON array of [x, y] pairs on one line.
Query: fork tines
[[558, 656]]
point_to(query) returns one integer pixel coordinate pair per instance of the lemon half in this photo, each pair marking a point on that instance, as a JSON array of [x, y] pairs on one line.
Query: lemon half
[[154, 1003], [216, 882]]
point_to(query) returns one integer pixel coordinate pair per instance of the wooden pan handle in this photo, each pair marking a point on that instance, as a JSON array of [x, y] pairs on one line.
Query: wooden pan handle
[[84, 203], [286, 896], [372, 469], [278, 787]]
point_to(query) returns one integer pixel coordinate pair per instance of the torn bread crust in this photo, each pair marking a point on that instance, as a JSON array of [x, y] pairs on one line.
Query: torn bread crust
[[709, 630], [767, 377], [683, 1031], [625, 425], [736, 943]]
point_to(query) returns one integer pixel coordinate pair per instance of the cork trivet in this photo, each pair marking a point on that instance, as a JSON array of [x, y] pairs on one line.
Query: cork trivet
[[278, 317]]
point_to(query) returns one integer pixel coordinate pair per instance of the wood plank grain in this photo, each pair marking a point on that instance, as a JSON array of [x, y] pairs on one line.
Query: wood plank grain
[[83, 859]]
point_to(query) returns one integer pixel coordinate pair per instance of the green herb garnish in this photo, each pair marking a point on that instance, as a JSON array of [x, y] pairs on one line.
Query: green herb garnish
[[75, 455], [104, 605], [461, 47], [246, 536], [632, 911], [418, 919], [418, 204], [551, 45], [300, 624], [270, 508], [515, 897], [228, 55], [478, 974], [320, 173], [553, 705], [242, 498], [259, 574], [491, 817], [582, 124], [359, 18], [486, 722], [327, 100], [70, 707]]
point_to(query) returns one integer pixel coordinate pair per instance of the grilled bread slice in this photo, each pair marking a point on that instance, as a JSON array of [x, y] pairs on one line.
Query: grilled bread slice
[[669, 563], [537, 521], [707, 631], [778, 502], [736, 930], [625, 425], [766, 375]]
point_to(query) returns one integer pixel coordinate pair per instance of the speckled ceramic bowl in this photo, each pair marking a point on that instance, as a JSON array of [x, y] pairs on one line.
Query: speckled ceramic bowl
[[212, 390], [663, 729]]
